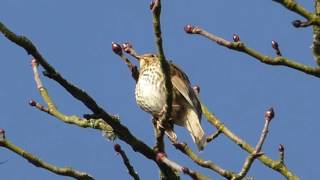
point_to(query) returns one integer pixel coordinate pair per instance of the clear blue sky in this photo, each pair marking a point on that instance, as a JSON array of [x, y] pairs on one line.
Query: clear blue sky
[[76, 36]]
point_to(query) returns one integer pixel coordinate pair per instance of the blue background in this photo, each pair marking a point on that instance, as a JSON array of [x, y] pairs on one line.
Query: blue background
[[76, 36]]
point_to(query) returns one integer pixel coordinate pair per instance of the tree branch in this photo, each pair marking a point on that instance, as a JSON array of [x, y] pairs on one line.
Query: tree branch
[[165, 67], [214, 135], [257, 151], [279, 60], [121, 131], [281, 168], [293, 6], [52, 109], [127, 47], [184, 148], [126, 162], [161, 157], [241, 47], [312, 19], [65, 171]]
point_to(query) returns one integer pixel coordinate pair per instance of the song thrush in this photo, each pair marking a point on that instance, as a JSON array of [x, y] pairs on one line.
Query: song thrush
[[151, 97]]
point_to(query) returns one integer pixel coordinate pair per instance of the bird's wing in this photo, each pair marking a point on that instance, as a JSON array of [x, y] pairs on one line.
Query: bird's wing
[[181, 82]]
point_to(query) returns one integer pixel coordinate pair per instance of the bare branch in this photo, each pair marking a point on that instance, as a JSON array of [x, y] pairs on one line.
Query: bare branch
[[126, 162], [118, 50], [184, 148], [165, 67], [257, 151], [312, 19], [39, 106], [52, 109], [293, 6], [127, 47], [161, 157], [214, 135], [241, 47], [65, 171], [122, 131], [247, 147]]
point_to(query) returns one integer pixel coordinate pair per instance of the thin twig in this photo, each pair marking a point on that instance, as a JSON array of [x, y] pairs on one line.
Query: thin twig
[[52, 109], [65, 171], [293, 6], [312, 19], [257, 151], [126, 162], [118, 50], [184, 148], [128, 48], [133, 68], [165, 67], [212, 119], [241, 47], [121, 131], [39, 106], [214, 135], [161, 157]]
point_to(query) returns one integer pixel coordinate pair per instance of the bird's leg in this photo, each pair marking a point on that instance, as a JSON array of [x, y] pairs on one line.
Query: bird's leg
[[159, 134], [162, 113], [168, 126], [168, 129]]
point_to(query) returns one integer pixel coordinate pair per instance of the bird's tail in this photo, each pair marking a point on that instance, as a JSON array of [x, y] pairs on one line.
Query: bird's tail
[[193, 125]]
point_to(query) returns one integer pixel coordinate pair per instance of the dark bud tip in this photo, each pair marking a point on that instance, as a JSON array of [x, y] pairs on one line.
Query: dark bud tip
[[188, 29], [236, 38], [196, 89], [296, 23], [126, 47], [274, 44], [116, 48], [281, 148], [2, 134], [269, 114], [185, 170], [32, 103], [160, 156], [117, 148]]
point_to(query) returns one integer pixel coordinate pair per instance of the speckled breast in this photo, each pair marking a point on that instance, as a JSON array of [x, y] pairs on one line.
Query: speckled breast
[[150, 90]]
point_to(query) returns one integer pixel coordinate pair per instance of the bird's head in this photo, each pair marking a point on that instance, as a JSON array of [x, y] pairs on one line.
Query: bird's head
[[147, 59]]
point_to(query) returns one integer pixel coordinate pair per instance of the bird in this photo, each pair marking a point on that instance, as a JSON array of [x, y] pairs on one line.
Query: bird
[[150, 94]]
